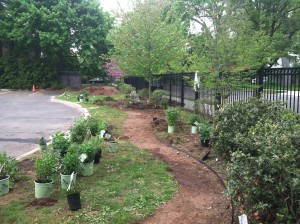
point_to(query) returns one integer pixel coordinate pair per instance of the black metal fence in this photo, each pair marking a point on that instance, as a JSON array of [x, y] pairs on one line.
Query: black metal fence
[[273, 84]]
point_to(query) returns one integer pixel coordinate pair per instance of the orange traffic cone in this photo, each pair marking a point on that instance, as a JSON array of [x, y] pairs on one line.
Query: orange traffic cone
[[33, 88]]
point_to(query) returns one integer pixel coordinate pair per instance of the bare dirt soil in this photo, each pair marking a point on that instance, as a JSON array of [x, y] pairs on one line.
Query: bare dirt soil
[[101, 90], [200, 196]]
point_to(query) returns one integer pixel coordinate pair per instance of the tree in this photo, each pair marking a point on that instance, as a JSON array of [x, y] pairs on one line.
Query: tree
[[269, 25], [66, 34], [146, 40], [237, 35]]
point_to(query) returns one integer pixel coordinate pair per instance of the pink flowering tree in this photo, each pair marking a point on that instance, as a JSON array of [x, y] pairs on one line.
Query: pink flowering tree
[[112, 70]]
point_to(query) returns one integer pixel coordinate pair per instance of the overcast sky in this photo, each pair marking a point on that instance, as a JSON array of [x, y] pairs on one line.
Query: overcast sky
[[110, 5]]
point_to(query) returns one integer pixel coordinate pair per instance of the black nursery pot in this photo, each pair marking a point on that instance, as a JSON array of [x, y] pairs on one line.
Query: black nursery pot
[[204, 143], [74, 201], [97, 157]]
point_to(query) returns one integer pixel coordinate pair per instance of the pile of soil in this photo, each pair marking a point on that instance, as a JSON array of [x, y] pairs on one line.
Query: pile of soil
[[101, 90]]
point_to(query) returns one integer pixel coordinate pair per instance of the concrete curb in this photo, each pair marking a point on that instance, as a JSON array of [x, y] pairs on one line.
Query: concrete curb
[[83, 112]]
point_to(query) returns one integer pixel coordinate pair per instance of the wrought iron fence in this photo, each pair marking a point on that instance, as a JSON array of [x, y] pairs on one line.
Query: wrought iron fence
[[272, 83]]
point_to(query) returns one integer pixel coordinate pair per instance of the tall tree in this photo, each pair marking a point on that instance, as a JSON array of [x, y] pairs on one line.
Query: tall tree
[[66, 32], [146, 40], [273, 22]]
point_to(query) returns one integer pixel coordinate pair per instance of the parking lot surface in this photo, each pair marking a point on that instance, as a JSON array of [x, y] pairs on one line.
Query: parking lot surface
[[26, 116]]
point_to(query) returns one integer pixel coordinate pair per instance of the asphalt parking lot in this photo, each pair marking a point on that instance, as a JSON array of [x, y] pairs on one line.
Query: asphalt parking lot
[[26, 116]]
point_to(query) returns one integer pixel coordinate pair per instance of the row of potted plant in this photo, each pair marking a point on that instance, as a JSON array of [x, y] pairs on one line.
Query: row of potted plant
[[173, 116], [70, 154]]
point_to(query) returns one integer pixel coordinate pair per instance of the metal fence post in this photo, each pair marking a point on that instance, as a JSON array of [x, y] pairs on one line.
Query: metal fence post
[[218, 95], [260, 77], [182, 90]]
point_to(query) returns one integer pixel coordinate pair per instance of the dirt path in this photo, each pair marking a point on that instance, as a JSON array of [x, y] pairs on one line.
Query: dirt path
[[199, 198]]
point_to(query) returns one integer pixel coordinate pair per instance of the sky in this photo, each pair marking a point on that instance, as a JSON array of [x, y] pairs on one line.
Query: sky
[[111, 5]]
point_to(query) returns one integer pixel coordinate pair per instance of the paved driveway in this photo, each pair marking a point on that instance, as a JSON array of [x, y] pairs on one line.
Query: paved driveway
[[25, 117]]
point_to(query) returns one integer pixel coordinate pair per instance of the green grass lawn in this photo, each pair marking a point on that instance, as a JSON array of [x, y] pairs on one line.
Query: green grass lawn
[[126, 187]]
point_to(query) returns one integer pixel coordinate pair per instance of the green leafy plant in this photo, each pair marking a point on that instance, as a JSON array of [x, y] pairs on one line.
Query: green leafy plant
[[78, 131], [157, 96], [172, 115], [193, 119], [103, 125], [42, 144], [70, 163], [83, 96], [97, 144], [8, 166], [238, 118], [205, 130], [45, 167], [125, 88], [143, 93], [87, 148], [93, 125], [60, 143], [263, 174]]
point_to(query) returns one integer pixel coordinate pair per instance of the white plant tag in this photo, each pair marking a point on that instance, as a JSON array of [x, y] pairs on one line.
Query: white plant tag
[[243, 219], [71, 181], [82, 157], [102, 132]]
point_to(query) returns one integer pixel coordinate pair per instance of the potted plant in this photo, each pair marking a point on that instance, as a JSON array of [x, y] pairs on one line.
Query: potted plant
[[205, 134], [98, 145], [87, 155], [78, 131], [73, 194], [113, 145], [45, 168], [83, 96], [60, 143], [69, 164], [172, 115], [8, 168], [194, 122], [42, 144]]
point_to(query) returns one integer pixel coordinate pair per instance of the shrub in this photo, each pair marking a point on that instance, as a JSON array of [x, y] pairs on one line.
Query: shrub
[[194, 118], [238, 118], [93, 125], [103, 125], [143, 93], [70, 163], [8, 166], [42, 144], [84, 95], [205, 130], [125, 88], [60, 143], [45, 167], [157, 96], [78, 131], [172, 115], [263, 175], [88, 148]]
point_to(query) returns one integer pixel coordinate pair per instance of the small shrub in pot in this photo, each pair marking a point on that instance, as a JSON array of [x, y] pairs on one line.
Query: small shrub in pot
[[60, 143], [45, 167]]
